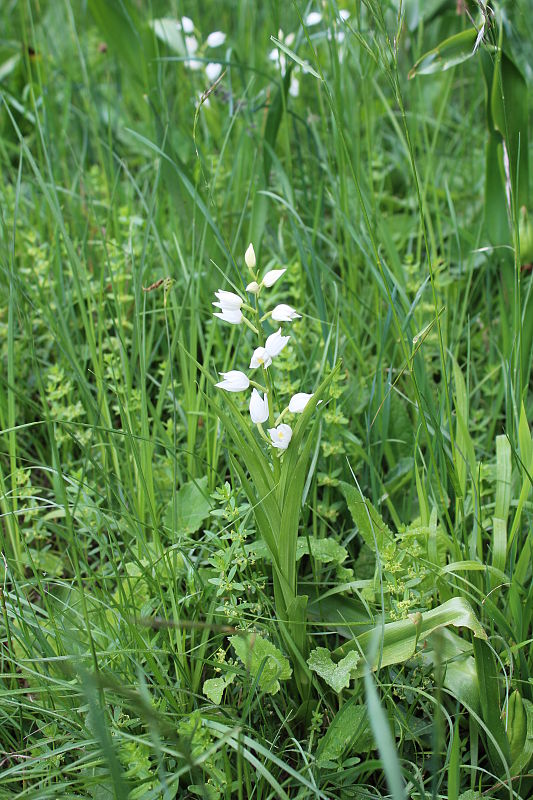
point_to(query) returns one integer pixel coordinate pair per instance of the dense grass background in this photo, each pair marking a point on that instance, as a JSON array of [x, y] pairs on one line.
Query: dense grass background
[[128, 560]]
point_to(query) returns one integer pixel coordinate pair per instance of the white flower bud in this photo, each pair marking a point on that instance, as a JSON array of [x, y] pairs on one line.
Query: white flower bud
[[249, 257], [272, 276], [258, 407], [216, 38], [253, 287], [298, 402]]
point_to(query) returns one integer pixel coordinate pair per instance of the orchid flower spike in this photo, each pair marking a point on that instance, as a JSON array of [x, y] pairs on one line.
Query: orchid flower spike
[[272, 276], [298, 402], [281, 436], [249, 257], [234, 381], [258, 407], [284, 313]]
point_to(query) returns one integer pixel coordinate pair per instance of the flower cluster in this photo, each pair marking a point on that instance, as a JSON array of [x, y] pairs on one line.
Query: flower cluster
[[235, 310]]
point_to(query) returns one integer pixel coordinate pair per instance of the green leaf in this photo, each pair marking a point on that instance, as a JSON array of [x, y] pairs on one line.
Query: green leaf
[[452, 51], [189, 508], [349, 729], [509, 109], [489, 685], [384, 740], [521, 764], [214, 688], [292, 55], [337, 675], [454, 776], [263, 660], [398, 640], [324, 551], [368, 520]]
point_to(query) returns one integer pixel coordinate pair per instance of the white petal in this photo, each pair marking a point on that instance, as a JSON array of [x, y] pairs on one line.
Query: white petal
[[298, 402], [275, 343], [249, 257], [187, 24], [253, 287], [231, 315], [258, 407], [234, 381], [272, 276], [284, 313], [194, 63], [216, 38], [228, 299], [344, 14], [289, 39], [313, 19], [260, 358], [280, 436]]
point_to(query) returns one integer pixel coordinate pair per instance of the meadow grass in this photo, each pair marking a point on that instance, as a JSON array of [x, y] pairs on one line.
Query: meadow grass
[[145, 651]]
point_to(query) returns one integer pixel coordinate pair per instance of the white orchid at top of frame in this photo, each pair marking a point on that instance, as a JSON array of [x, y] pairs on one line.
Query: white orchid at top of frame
[[235, 310], [312, 20], [182, 36]]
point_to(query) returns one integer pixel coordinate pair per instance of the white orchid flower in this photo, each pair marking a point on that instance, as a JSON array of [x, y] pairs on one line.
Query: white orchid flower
[[230, 307], [344, 14], [275, 343], [272, 276], [249, 257], [228, 300], [216, 38], [281, 436], [284, 313], [231, 315], [298, 402], [234, 381], [253, 287], [213, 70], [260, 358], [313, 19], [258, 407]]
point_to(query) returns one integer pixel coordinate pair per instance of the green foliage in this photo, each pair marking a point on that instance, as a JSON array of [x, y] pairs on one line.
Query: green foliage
[[335, 674], [263, 660]]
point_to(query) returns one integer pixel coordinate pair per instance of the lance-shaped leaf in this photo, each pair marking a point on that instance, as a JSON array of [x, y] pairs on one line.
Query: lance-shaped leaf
[[398, 640], [447, 54]]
